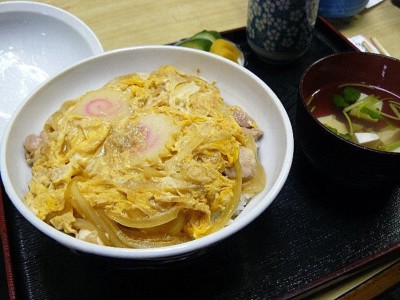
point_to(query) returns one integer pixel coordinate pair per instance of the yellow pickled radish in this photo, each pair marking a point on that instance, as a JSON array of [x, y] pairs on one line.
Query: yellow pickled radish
[[226, 49], [227, 54]]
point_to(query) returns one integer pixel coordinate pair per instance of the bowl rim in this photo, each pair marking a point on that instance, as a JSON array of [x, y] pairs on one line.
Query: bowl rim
[[162, 252], [324, 128]]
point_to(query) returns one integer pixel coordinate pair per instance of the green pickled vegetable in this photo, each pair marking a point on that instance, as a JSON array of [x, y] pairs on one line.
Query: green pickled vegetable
[[201, 44], [210, 35]]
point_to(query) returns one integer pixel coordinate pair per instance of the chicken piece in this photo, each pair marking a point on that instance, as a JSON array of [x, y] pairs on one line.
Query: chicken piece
[[32, 143], [242, 118], [255, 133], [246, 122], [247, 160]]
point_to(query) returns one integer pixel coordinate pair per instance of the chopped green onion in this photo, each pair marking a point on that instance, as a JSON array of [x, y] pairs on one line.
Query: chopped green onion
[[394, 106], [368, 108], [391, 146], [346, 136], [351, 94], [339, 101], [351, 130], [358, 84], [369, 100], [373, 113]]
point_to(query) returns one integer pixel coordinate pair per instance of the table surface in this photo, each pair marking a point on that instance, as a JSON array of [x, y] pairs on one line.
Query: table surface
[[125, 23]]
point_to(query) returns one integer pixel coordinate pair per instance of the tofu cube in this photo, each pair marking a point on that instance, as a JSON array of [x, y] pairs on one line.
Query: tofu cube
[[367, 138], [333, 122]]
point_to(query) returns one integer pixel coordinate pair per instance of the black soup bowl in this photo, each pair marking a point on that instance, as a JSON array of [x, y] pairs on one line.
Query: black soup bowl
[[342, 161]]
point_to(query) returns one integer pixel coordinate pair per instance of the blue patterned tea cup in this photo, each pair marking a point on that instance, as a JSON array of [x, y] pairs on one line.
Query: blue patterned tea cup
[[280, 31]]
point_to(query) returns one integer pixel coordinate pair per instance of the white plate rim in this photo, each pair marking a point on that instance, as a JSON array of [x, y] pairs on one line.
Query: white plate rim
[[68, 19], [57, 13]]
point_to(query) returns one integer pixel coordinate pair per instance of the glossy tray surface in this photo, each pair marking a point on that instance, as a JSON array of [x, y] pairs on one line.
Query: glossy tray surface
[[304, 239]]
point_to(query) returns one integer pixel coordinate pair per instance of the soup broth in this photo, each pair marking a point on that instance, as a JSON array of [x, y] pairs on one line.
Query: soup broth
[[363, 114]]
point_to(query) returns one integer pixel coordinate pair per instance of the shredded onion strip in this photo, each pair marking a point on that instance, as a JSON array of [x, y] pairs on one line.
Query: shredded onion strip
[[229, 211], [145, 222], [81, 205], [257, 183], [135, 238]]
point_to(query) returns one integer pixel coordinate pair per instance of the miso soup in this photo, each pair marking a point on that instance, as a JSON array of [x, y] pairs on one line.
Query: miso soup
[[363, 114]]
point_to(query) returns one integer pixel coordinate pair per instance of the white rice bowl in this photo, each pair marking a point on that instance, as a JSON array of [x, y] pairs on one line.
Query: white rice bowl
[[238, 86]]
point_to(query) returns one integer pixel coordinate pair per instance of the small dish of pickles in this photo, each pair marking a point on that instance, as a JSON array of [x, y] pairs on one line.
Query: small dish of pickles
[[211, 41]]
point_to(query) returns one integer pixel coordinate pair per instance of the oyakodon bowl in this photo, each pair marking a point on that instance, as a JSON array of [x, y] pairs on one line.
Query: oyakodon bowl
[[237, 85], [344, 163]]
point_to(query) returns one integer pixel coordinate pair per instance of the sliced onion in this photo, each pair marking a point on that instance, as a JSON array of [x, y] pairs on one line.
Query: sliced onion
[[173, 227], [230, 209], [134, 238], [257, 183], [84, 224], [81, 205], [138, 239], [145, 222]]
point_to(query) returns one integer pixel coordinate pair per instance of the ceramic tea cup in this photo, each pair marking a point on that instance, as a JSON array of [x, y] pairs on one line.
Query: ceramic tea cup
[[281, 31]]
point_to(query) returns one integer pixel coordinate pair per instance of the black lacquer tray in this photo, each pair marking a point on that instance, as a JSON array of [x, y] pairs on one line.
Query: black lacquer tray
[[305, 240]]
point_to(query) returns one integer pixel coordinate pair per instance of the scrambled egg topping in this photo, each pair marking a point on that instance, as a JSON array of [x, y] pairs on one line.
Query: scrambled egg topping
[[147, 160]]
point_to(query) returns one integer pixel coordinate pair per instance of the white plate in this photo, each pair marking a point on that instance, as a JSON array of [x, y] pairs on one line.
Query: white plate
[[36, 42], [238, 86]]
